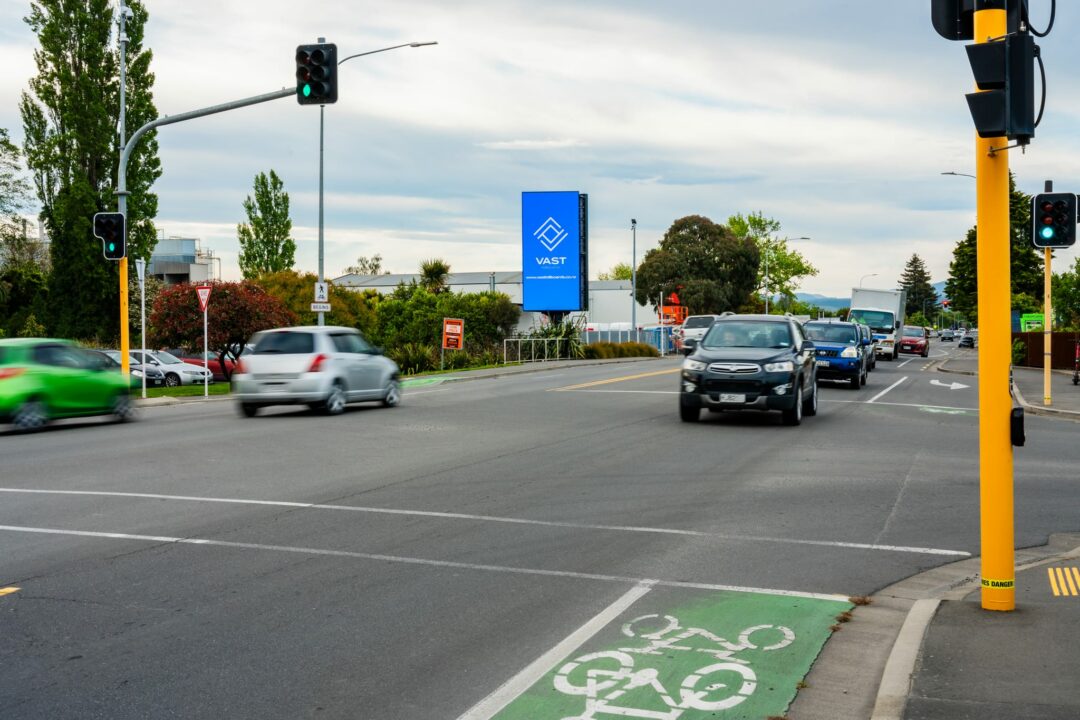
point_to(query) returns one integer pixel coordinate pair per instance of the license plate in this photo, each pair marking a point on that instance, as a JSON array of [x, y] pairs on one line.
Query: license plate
[[732, 398], [906, 347], [823, 363]]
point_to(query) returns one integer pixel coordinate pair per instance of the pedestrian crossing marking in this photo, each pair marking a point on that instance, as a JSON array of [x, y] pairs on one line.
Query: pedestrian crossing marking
[[1064, 580]]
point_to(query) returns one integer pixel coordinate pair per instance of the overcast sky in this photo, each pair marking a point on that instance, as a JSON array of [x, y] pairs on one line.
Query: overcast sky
[[835, 117]]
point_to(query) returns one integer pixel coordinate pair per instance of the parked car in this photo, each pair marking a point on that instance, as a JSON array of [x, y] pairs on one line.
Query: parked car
[[913, 340], [948, 336], [750, 362], [869, 347], [967, 341], [43, 380], [211, 361], [176, 371], [154, 376], [322, 367], [692, 330], [840, 351]]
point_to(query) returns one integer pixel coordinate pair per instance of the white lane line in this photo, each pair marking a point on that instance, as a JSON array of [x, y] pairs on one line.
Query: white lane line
[[895, 404], [420, 561], [515, 686], [880, 394], [637, 392], [904, 363], [498, 519]]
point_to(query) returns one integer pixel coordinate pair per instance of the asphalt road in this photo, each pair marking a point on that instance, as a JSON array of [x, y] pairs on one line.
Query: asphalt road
[[405, 563]]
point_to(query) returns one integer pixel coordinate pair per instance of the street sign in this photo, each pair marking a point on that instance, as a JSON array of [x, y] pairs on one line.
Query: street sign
[[203, 291], [140, 267], [322, 292], [320, 307], [453, 332]]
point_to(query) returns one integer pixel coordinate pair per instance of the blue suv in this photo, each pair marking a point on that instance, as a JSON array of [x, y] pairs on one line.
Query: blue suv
[[840, 349]]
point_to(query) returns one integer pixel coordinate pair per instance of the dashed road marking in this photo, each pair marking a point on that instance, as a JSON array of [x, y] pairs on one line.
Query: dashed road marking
[[882, 393], [1064, 580], [8, 590], [623, 378]]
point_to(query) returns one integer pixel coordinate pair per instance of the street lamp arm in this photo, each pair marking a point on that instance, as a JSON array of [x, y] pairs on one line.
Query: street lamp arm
[[395, 47]]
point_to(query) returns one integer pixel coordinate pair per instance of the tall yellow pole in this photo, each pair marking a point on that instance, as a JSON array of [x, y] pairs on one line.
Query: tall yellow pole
[[995, 351], [1048, 329], [125, 345]]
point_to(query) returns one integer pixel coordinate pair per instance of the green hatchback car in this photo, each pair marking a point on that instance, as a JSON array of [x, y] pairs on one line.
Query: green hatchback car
[[43, 380]]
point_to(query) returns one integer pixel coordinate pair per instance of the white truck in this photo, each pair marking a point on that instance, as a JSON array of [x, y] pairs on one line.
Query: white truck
[[883, 311]]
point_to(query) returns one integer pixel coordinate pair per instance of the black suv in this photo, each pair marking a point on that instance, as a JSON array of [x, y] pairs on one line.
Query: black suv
[[751, 362]]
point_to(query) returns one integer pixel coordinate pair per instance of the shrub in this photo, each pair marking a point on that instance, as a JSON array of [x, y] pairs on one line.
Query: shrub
[[607, 350], [414, 358], [1019, 352]]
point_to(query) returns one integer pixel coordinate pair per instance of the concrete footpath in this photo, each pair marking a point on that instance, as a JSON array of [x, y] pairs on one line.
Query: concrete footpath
[[924, 649]]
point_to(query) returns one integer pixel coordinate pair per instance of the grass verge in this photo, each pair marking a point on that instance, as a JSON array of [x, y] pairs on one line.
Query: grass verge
[[218, 388]]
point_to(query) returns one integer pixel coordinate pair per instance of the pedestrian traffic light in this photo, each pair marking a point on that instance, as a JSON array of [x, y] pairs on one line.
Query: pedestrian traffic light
[[111, 228], [1005, 71], [316, 74], [1054, 218]]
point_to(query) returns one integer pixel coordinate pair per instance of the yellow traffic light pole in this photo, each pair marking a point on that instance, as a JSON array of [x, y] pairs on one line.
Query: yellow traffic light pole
[[995, 398], [125, 360]]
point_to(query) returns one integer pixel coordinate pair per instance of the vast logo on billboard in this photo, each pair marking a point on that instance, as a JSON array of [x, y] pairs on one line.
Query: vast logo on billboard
[[552, 222]]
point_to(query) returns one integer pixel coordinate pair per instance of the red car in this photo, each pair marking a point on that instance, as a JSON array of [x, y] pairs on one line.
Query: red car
[[913, 340], [211, 362]]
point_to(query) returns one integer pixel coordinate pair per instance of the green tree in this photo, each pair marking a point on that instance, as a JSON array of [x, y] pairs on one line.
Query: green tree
[[367, 266], [1025, 265], [921, 296], [618, 271], [786, 267], [711, 269], [153, 287], [1066, 297], [295, 291], [433, 275], [265, 242], [72, 150], [14, 190]]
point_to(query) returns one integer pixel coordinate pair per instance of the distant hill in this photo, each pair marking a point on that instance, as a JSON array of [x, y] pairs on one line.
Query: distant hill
[[835, 303]]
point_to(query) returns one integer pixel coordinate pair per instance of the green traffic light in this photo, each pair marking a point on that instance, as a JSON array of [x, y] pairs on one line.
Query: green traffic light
[[1048, 233], [307, 90], [112, 247]]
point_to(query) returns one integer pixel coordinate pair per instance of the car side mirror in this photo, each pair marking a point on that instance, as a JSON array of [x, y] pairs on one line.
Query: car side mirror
[[377, 351], [867, 341], [897, 325], [807, 345], [690, 343]]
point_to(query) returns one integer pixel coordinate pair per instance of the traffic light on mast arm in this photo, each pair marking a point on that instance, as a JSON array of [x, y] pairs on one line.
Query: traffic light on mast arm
[[1005, 71], [1054, 219], [316, 74], [112, 229]]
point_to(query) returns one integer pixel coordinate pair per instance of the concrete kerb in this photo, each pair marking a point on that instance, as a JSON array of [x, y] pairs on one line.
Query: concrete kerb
[[1028, 407], [465, 375]]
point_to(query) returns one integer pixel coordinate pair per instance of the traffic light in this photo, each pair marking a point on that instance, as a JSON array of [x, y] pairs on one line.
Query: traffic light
[[111, 228], [1005, 70], [316, 74], [1054, 218]]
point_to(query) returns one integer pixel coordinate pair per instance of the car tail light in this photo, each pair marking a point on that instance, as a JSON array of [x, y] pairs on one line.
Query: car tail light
[[317, 363], [241, 367], [6, 373]]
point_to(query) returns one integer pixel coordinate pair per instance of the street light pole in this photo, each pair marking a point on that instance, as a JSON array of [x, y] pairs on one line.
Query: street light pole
[[322, 114], [866, 276], [633, 277]]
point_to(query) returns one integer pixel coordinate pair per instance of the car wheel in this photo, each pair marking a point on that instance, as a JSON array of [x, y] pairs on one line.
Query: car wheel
[[335, 399], [123, 407], [810, 406], [926, 353], [31, 415], [689, 414], [392, 398], [249, 410], [794, 415], [172, 380], [855, 381]]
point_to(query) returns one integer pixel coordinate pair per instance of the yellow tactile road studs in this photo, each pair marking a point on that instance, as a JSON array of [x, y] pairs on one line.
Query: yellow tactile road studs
[[8, 590], [1064, 580]]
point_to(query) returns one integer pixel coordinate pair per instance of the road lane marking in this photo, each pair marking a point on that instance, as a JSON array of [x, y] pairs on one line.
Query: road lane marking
[[8, 590], [904, 363], [515, 686], [1064, 580], [896, 404], [880, 394], [600, 577], [498, 519], [623, 378]]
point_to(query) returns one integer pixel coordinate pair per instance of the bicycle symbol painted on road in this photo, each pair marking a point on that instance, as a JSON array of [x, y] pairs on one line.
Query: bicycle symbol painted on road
[[606, 678]]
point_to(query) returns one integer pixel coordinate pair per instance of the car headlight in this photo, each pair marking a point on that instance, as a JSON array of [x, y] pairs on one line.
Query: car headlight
[[691, 364], [785, 366], [849, 352]]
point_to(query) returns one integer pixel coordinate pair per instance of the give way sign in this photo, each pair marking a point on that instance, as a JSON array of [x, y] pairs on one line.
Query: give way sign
[[203, 291]]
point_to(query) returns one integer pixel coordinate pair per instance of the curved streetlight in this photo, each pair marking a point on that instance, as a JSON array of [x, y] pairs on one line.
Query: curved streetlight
[[866, 276], [322, 112], [959, 174]]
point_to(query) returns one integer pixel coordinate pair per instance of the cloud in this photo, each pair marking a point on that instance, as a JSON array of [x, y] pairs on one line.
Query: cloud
[[532, 144]]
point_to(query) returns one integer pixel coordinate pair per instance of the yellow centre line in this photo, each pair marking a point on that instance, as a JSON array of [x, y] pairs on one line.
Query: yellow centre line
[[8, 590], [615, 380]]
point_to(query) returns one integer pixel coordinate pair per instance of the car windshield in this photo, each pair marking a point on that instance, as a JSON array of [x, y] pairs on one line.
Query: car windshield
[[878, 320], [285, 343], [832, 333], [747, 334], [914, 332], [166, 359], [698, 322]]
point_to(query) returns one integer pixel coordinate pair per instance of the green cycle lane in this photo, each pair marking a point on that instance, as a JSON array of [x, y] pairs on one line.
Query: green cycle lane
[[714, 654]]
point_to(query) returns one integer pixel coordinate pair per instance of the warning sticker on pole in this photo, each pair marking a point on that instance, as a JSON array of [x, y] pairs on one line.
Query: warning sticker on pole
[[203, 291], [453, 333]]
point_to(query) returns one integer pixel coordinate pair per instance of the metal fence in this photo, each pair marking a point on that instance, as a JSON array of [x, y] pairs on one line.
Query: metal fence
[[523, 350]]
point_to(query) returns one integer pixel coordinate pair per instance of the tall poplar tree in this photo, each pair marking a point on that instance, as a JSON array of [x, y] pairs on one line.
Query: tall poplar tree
[[72, 148], [266, 244]]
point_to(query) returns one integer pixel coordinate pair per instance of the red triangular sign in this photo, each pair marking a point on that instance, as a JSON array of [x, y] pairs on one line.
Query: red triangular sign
[[204, 296]]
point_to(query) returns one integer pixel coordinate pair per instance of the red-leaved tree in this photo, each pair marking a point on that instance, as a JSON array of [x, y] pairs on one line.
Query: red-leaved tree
[[237, 310]]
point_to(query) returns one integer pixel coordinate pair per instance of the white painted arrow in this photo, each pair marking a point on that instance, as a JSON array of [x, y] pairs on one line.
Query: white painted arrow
[[951, 386]]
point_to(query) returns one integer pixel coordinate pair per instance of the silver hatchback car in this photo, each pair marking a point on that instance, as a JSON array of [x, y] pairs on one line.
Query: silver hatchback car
[[322, 367]]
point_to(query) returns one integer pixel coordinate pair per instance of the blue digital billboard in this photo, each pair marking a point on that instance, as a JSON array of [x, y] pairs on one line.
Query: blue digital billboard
[[554, 251]]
